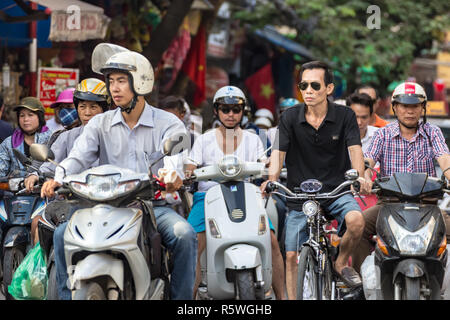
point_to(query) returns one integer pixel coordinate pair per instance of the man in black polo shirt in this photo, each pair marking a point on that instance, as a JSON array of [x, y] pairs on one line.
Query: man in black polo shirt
[[319, 140]]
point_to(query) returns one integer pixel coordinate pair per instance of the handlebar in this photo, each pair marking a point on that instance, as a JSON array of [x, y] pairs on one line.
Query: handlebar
[[272, 186]]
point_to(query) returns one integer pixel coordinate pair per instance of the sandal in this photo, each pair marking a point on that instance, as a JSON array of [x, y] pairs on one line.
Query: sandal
[[350, 277]]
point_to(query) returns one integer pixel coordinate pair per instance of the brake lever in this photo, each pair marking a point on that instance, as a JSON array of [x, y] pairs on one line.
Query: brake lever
[[357, 187]]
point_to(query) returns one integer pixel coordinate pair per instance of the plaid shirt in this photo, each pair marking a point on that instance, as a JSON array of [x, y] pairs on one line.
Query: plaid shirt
[[396, 154]]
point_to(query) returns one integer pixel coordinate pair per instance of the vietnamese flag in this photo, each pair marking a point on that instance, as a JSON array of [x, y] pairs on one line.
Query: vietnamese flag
[[195, 65], [261, 88]]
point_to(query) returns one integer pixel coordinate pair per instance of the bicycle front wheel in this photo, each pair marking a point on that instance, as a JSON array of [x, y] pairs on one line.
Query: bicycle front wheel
[[307, 285]]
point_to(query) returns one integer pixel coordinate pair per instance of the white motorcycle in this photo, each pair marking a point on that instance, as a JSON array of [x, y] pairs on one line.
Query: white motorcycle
[[109, 254], [238, 244]]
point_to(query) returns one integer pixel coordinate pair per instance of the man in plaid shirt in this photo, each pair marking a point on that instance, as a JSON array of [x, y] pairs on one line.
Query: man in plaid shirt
[[407, 145]]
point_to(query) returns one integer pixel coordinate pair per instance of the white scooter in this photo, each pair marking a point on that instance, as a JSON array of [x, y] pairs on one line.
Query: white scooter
[[109, 253], [238, 244]]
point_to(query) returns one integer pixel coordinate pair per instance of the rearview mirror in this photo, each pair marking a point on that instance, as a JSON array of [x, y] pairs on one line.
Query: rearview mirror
[[21, 157], [176, 144], [41, 152]]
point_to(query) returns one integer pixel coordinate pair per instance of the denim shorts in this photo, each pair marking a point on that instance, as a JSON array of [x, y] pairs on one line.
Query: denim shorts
[[296, 223], [197, 215]]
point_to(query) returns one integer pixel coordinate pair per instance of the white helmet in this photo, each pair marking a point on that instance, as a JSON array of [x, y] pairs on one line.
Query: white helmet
[[264, 112], [409, 93], [136, 66], [229, 95], [263, 121]]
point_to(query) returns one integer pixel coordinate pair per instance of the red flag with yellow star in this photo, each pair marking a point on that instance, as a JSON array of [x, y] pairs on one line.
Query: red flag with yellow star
[[261, 87], [195, 65]]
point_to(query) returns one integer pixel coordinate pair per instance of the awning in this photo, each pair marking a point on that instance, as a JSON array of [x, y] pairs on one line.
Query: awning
[[269, 33], [74, 20], [17, 34]]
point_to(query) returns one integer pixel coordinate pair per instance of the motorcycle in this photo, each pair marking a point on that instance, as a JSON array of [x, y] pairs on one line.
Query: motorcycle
[[17, 210], [109, 252], [410, 253], [238, 245]]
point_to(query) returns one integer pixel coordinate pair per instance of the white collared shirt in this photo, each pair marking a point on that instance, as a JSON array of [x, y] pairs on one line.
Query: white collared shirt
[[108, 138]]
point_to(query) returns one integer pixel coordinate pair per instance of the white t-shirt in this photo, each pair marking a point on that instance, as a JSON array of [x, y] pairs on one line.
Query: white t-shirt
[[368, 137], [272, 133], [206, 151]]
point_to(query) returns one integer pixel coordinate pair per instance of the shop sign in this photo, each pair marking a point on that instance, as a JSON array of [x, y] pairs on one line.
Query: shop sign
[[77, 25], [51, 81]]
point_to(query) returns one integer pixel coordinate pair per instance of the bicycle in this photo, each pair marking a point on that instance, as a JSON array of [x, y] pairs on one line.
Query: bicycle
[[316, 278]]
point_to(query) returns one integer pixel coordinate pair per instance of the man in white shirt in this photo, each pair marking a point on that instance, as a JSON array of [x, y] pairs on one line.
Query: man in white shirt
[[209, 148], [128, 137], [362, 105]]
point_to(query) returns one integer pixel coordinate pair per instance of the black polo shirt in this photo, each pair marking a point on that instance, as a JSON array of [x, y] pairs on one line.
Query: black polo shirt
[[317, 154]]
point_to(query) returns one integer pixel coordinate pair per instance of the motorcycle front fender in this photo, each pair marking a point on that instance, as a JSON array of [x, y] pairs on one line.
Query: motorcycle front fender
[[411, 268], [242, 256], [95, 265], [16, 236]]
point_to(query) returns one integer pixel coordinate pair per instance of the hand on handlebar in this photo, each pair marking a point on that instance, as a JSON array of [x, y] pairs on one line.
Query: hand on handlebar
[[48, 188], [264, 189], [30, 181], [365, 186]]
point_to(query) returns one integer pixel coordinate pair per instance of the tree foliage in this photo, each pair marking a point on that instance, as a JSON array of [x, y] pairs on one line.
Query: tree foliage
[[337, 31]]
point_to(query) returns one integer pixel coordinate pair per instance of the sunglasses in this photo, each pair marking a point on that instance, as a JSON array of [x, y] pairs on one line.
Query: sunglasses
[[227, 109], [304, 85]]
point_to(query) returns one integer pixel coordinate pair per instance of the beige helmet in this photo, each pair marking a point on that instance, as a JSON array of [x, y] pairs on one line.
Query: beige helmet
[[136, 66], [91, 89]]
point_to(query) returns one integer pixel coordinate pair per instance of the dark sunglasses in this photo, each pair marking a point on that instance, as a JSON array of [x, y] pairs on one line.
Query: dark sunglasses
[[304, 85], [227, 109]]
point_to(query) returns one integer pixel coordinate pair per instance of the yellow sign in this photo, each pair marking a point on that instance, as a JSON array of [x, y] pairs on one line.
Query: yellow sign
[[443, 71], [434, 109]]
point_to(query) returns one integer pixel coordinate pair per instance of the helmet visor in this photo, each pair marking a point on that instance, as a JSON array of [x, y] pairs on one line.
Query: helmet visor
[[408, 98], [89, 96], [102, 52], [230, 100]]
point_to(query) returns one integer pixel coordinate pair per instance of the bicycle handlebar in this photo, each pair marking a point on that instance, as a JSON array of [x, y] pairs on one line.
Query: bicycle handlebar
[[274, 185]]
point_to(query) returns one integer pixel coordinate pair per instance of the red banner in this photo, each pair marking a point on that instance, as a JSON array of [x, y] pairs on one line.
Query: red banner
[[261, 87], [51, 81]]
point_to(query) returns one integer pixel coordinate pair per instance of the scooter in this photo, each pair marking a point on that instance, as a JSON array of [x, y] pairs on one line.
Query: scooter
[[17, 210], [109, 250], [238, 245], [411, 249]]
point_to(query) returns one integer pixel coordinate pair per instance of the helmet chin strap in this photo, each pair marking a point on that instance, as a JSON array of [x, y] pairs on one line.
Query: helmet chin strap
[[130, 106], [233, 128]]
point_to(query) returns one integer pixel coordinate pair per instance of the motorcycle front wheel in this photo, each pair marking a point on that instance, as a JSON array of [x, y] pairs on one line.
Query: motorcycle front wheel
[[245, 285], [12, 258], [89, 291], [411, 289]]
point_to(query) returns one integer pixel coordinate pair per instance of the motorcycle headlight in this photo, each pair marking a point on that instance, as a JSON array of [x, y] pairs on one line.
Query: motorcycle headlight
[[230, 166], [412, 243], [310, 208], [102, 188]]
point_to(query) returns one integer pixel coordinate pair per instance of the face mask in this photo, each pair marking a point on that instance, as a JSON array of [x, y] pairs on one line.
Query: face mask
[[68, 116]]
